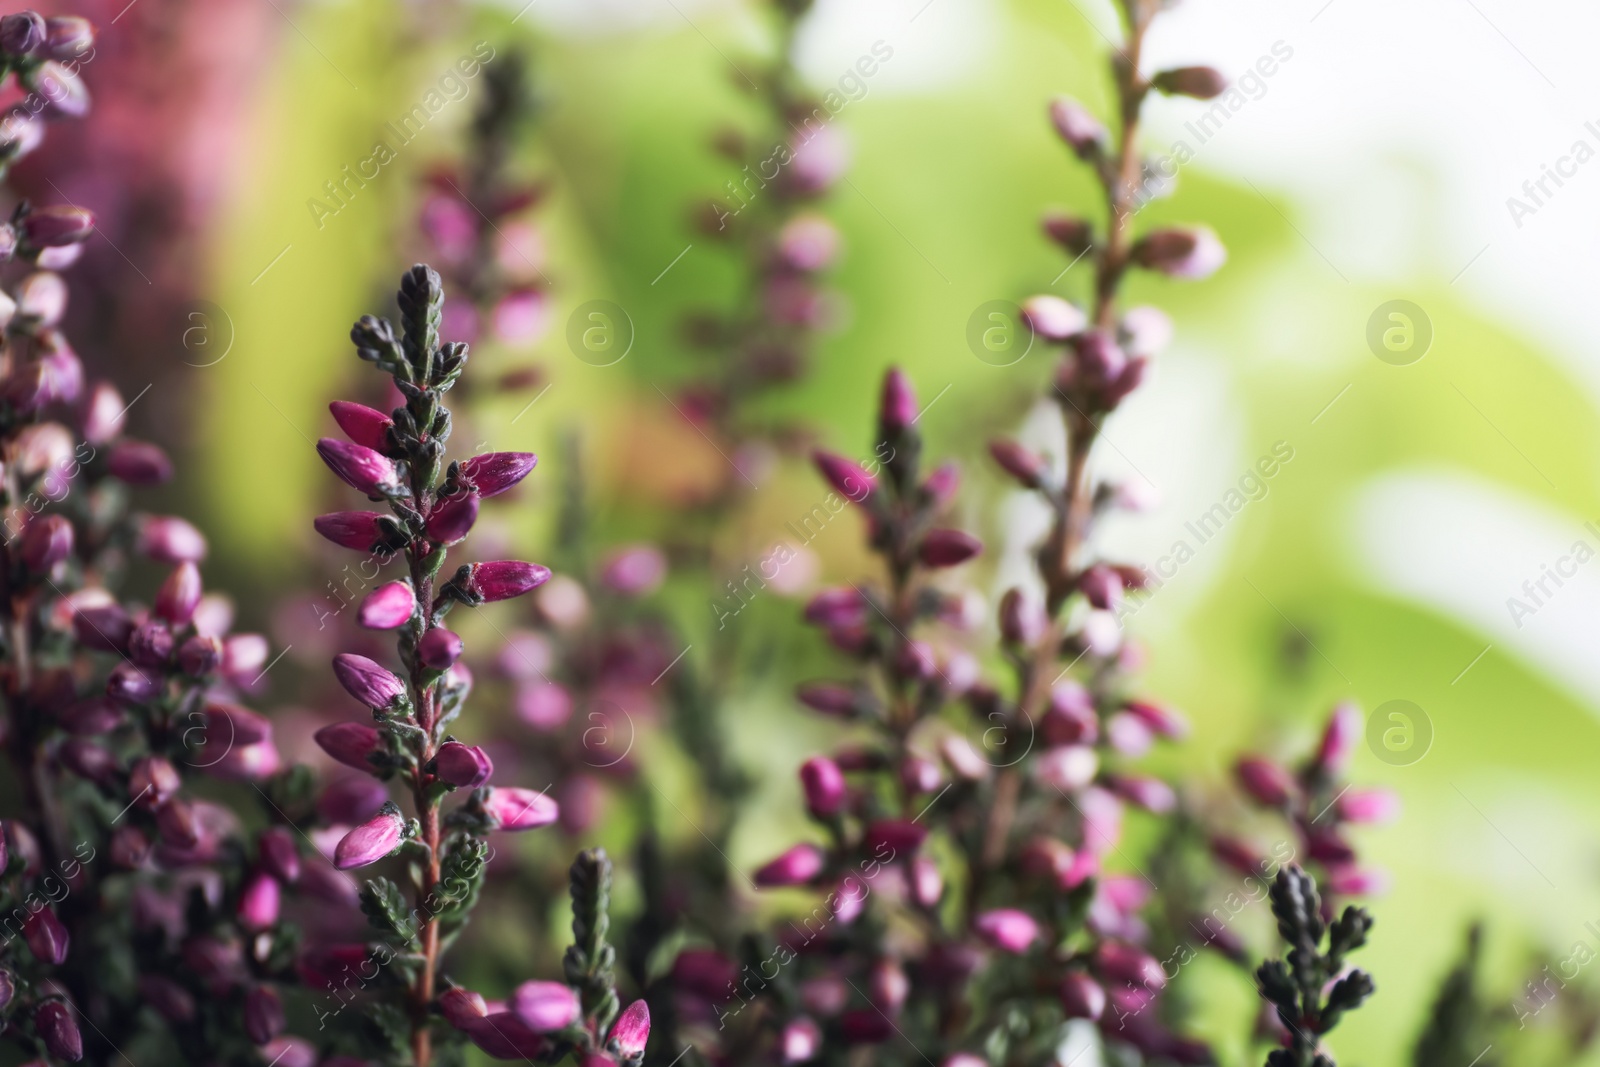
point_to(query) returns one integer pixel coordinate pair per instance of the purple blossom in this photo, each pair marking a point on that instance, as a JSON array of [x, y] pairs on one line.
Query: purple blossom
[[351, 743], [58, 1030], [545, 1007], [494, 472], [897, 407], [631, 1031], [452, 517], [46, 938], [463, 766], [505, 579], [388, 607], [439, 649], [359, 467], [846, 477], [798, 866], [259, 901], [824, 786], [520, 809], [370, 842], [365, 426], [351, 529], [179, 595], [367, 681]]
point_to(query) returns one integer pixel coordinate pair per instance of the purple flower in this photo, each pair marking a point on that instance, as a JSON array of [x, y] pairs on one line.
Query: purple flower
[[350, 743], [504, 579], [1202, 83], [897, 407], [22, 33], [67, 95], [150, 644], [439, 649], [59, 1031], [47, 541], [169, 539], [546, 1006], [370, 842], [631, 1031], [259, 902], [1007, 929], [229, 724], [1339, 739], [461, 1006], [798, 866], [800, 1040], [367, 681], [351, 529], [829, 698], [463, 766], [823, 783], [452, 517], [152, 781], [1189, 253], [179, 595], [1053, 318], [1265, 781], [388, 607], [1025, 466], [896, 835], [68, 36], [636, 570], [1163, 720], [58, 224], [1082, 997], [1082, 132], [367, 427], [1124, 963], [359, 467], [808, 243], [47, 939], [130, 684], [505, 1037], [139, 463], [263, 1014], [200, 655], [280, 855], [520, 809], [948, 548], [848, 478], [494, 472], [1368, 805], [843, 606]]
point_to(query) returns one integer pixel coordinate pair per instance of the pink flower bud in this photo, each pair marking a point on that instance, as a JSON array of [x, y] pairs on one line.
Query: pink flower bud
[[351, 529], [367, 427], [388, 607], [823, 783], [452, 517], [637, 570], [964, 1059], [461, 1007], [463, 766], [808, 243], [1022, 618], [150, 645], [1067, 768], [1338, 740], [279, 854], [1053, 318], [169, 539], [630, 1032], [520, 809], [46, 542], [359, 467], [927, 884], [1265, 781], [21, 34], [918, 775], [87, 760], [152, 781], [948, 548], [1082, 132], [1144, 331], [844, 606], [897, 407], [439, 649], [1007, 929], [58, 224], [259, 901], [942, 484], [1190, 253], [130, 684], [1096, 360], [104, 415], [1368, 805], [351, 743], [1073, 234], [1151, 794], [139, 463], [505, 579], [59, 1031], [821, 155], [798, 866], [546, 1006], [893, 836], [887, 986], [916, 661], [367, 681], [371, 841], [1202, 83], [494, 472], [67, 37], [1129, 735], [848, 478], [1025, 466], [179, 595], [1234, 853], [1082, 997], [244, 656], [263, 1014], [800, 1040], [46, 938], [1346, 880], [291, 1052], [828, 698], [229, 724], [1163, 720], [1101, 586], [1124, 963]]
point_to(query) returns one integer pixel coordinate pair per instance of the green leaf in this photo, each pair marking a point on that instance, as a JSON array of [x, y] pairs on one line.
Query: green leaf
[[387, 911]]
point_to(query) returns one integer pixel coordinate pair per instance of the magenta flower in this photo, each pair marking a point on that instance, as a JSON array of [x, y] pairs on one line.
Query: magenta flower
[[1053, 318], [58, 224], [821, 155], [452, 517], [21, 34], [359, 467], [1189, 253], [139, 463], [637, 570], [494, 472], [228, 724], [505, 1037], [1368, 805], [47, 541], [504, 579], [59, 1031], [1163, 720], [631, 1031], [1339, 739], [546, 1006], [351, 743], [388, 607], [367, 681], [367, 427], [1082, 132], [263, 1014], [169, 539], [259, 902], [895, 836], [131, 684], [351, 529], [829, 698], [67, 36], [46, 938], [1264, 780], [370, 842], [179, 595], [798, 866], [808, 243], [927, 884], [463, 766], [948, 548], [800, 1040], [897, 407], [152, 781], [439, 649], [1125, 963], [844, 606], [461, 1006], [1007, 929], [823, 783], [280, 855], [520, 809], [1082, 997], [848, 478]]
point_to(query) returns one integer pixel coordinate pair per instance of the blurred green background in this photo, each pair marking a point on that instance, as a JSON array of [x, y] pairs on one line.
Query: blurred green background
[[1376, 568]]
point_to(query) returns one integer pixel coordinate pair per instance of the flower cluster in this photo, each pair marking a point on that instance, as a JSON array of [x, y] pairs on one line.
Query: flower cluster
[[400, 460]]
